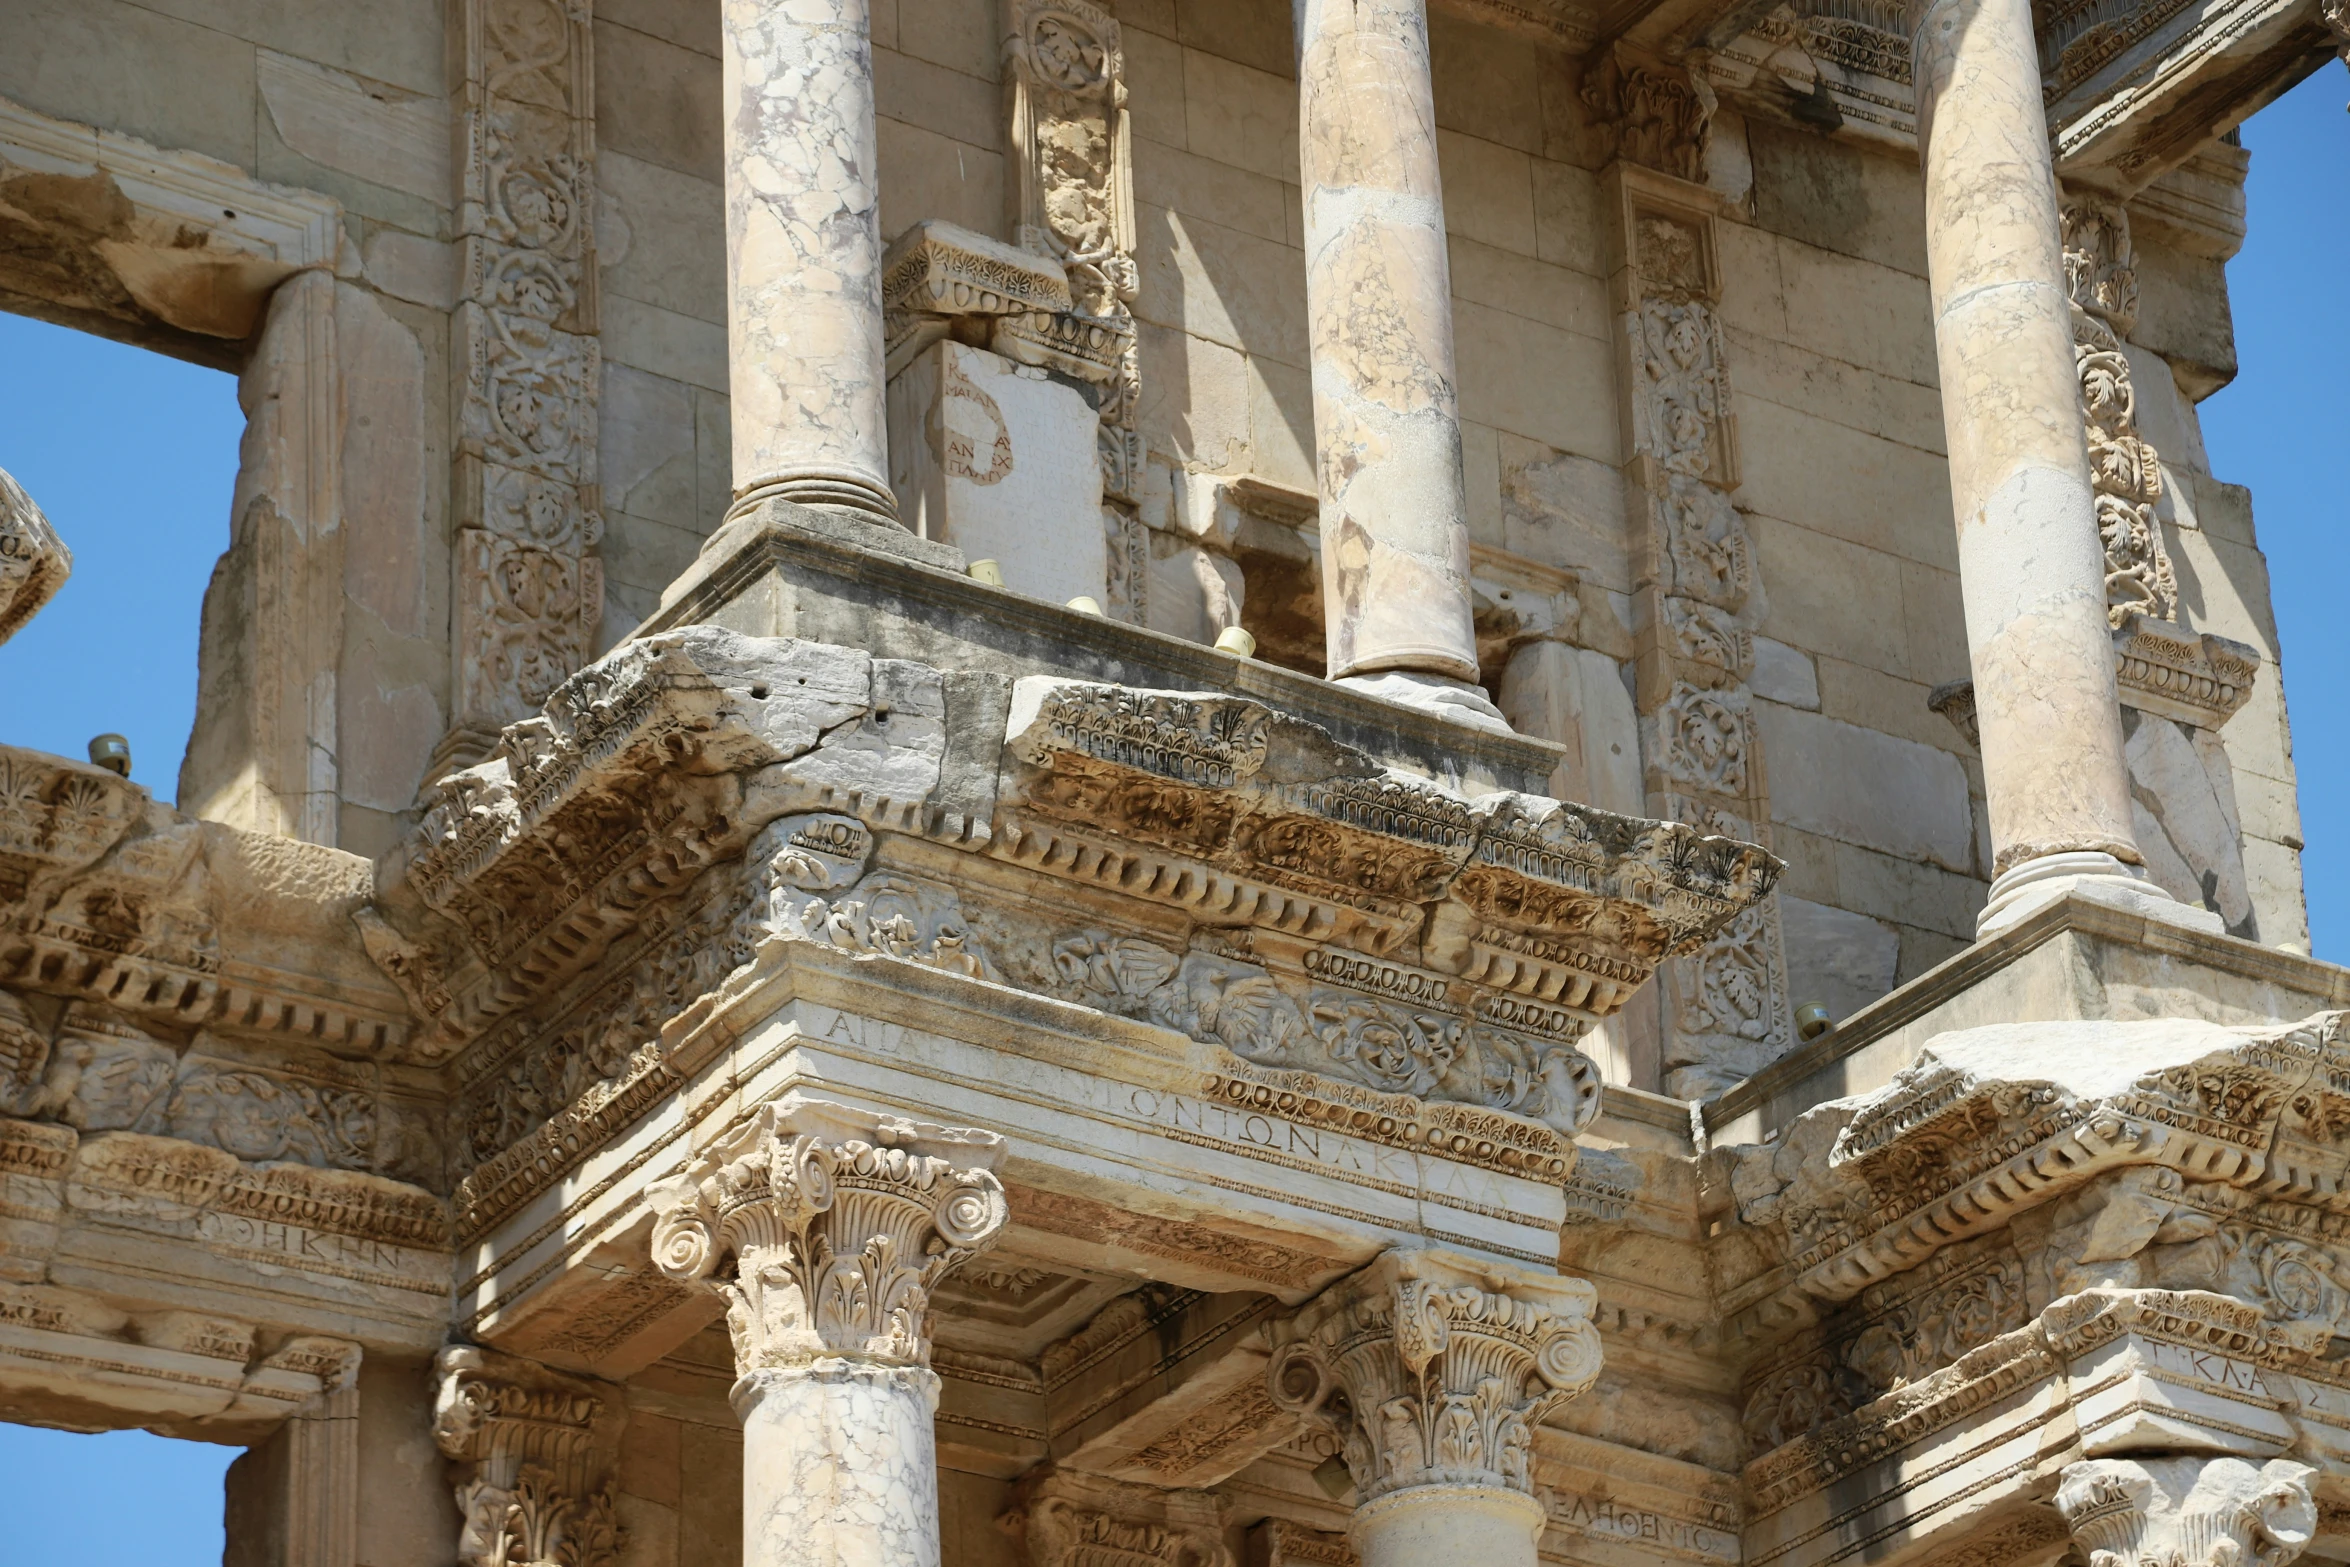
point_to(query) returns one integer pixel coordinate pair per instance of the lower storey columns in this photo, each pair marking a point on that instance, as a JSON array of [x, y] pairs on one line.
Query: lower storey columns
[[2031, 566], [826, 1229], [1434, 1370], [804, 356]]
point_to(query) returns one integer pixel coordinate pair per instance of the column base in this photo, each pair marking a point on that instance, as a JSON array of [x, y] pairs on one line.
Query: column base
[[1488, 1525], [853, 493], [1442, 695], [2092, 874]]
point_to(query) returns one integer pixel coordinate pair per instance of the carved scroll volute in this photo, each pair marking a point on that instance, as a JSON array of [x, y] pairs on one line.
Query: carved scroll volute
[[532, 1450], [2188, 1511], [34, 561], [826, 1230], [1434, 1370]]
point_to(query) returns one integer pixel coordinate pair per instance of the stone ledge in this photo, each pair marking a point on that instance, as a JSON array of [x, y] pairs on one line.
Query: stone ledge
[[2052, 966], [785, 570]]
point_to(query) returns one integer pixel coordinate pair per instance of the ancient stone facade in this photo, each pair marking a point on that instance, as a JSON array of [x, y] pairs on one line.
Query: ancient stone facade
[[1168, 784]]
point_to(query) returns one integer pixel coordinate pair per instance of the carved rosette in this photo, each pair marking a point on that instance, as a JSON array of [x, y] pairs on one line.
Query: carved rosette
[[34, 561], [533, 1451], [1434, 1370], [827, 1230], [2101, 276], [2188, 1511]]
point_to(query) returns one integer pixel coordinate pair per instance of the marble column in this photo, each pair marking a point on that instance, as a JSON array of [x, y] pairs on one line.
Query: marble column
[[803, 256], [1387, 436], [2031, 566], [1433, 1370], [826, 1229]]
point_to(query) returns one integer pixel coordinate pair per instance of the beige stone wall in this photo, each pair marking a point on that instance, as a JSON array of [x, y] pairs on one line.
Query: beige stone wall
[[1876, 800]]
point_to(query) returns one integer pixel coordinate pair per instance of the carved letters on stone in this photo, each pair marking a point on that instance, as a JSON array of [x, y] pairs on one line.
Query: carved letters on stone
[[529, 584], [826, 1230], [1435, 1371], [532, 1452], [34, 561]]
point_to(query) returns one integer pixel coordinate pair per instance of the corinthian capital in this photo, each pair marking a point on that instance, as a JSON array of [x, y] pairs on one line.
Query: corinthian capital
[[827, 1229], [533, 1452], [1434, 1369], [2188, 1512]]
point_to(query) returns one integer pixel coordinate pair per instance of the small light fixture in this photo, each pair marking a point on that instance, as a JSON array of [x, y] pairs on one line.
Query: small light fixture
[[987, 571], [1086, 604], [111, 752], [1812, 1020], [1236, 642]]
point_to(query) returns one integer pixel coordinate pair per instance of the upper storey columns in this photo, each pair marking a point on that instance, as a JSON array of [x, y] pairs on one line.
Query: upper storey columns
[[1387, 436], [2031, 567], [803, 256]]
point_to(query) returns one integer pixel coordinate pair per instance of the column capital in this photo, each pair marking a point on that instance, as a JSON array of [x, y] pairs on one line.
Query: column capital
[[2188, 1511], [1434, 1369], [533, 1450], [826, 1229], [1061, 1518]]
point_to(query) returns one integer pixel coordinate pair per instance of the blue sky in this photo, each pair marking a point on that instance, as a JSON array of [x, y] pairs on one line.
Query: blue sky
[[133, 456]]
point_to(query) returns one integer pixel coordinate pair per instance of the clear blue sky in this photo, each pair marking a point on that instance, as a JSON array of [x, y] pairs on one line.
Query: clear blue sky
[[134, 457]]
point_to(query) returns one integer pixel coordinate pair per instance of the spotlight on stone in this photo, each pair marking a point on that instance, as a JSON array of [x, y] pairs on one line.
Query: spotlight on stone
[[1812, 1020], [987, 571], [1239, 643], [111, 752]]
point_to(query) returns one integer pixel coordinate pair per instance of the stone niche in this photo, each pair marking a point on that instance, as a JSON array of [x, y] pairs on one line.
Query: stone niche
[[998, 459]]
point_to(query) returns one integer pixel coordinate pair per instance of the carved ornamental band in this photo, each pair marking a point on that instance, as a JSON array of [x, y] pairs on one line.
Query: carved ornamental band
[[826, 1230], [1434, 1370]]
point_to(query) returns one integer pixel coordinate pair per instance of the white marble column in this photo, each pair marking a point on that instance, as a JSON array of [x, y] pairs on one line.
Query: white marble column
[[1434, 1369], [826, 1229], [1387, 435], [2031, 566], [803, 256]]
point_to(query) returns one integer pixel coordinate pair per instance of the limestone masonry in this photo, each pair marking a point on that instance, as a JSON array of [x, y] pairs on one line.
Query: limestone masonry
[[1021, 783]]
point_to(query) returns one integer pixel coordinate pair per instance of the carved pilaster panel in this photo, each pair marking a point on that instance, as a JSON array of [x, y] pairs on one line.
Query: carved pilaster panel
[[1700, 599], [1433, 1370], [532, 1453], [529, 586], [826, 1230], [1657, 116], [2101, 276]]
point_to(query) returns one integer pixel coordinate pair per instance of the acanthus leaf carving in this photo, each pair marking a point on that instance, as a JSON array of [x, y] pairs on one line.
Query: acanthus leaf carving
[[826, 1230], [1434, 1371], [2188, 1511], [34, 561], [532, 1451]]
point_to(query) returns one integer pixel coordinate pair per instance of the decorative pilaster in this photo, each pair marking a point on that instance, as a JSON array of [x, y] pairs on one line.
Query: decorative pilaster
[[1434, 1370], [1700, 597], [529, 585], [826, 1230], [533, 1450], [2188, 1511], [2032, 569], [803, 257], [1061, 1518], [1069, 178], [1387, 435], [34, 562], [2101, 282]]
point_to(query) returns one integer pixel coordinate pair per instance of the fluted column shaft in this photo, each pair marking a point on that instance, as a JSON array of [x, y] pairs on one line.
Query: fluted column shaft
[[1394, 521], [2031, 566], [825, 1230], [803, 255]]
